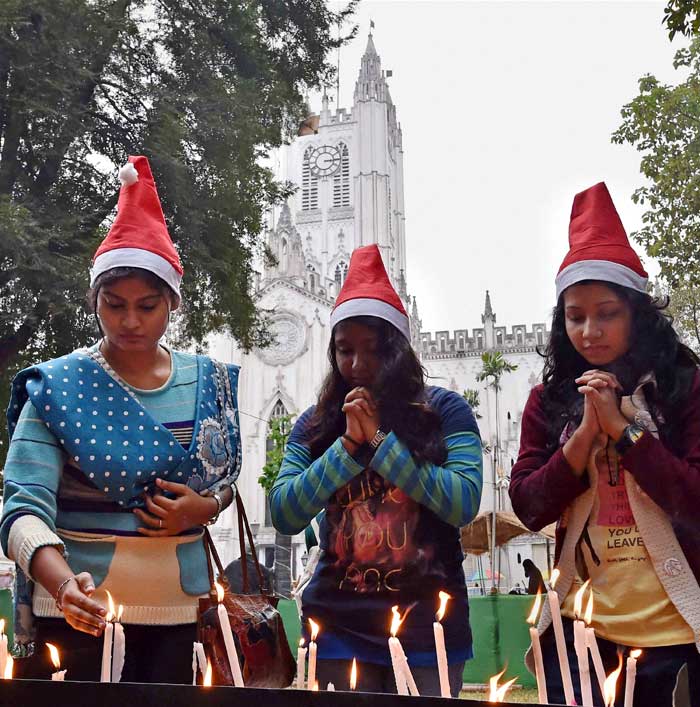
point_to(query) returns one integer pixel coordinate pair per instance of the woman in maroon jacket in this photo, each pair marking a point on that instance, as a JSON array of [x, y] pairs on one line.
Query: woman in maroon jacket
[[610, 450]]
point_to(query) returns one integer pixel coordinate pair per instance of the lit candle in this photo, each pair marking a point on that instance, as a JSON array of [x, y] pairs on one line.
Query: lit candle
[[313, 649], [631, 676], [207, 675], [439, 634], [301, 664], [592, 643], [553, 599], [394, 652], [7, 674], [610, 685], [330, 687], [106, 672], [496, 693], [59, 675], [581, 648], [537, 650], [353, 674], [118, 646], [199, 661], [225, 626], [3, 647]]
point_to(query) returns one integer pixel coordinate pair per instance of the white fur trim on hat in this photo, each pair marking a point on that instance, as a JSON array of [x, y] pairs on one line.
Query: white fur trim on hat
[[128, 175], [605, 270], [367, 307], [137, 258]]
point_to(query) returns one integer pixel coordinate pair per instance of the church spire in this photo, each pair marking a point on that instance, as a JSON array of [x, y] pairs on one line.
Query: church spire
[[370, 84], [488, 310]]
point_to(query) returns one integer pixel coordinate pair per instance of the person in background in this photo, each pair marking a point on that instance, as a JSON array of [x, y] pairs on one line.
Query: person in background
[[535, 583], [610, 449], [397, 467]]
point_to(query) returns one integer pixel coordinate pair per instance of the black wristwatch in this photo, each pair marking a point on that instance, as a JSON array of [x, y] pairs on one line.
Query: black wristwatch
[[630, 436]]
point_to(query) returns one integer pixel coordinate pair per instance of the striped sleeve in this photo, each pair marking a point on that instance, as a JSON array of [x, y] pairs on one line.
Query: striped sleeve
[[452, 491], [31, 477], [304, 486]]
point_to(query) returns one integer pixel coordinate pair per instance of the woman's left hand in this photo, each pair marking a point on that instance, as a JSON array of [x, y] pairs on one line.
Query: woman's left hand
[[603, 389], [171, 516], [367, 411]]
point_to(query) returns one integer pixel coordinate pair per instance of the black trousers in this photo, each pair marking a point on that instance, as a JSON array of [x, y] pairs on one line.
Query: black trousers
[[657, 671], [153, 653], [380, 678]]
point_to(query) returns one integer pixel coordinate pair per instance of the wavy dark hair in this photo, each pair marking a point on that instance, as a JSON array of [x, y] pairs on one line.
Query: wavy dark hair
[[654, 347], [398, 390]]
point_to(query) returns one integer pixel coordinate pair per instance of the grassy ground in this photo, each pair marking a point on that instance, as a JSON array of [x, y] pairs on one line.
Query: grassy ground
[[523, 695]]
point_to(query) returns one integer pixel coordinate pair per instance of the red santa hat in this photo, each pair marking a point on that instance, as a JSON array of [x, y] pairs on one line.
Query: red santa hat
[[139, 237], [368, 292], [598, 245]]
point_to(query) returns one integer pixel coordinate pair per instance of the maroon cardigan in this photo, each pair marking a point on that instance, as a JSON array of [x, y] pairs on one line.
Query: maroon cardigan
[[543, 485]]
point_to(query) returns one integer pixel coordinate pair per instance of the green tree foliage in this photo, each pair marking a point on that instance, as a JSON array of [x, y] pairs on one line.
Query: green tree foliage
[[493, 366], [684, 307], [663, 123], [682, 16], [204, 89], [472, 397]]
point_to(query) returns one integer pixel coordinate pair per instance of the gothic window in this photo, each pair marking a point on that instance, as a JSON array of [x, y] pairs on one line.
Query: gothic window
[[499, 338], [341, 272], [540, 338], [309, 184], [479, 340], [341, 179], [312, 277], [519, 336]]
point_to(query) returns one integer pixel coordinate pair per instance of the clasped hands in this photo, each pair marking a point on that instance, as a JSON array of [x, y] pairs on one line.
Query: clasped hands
[[361, 418], [601, 409]]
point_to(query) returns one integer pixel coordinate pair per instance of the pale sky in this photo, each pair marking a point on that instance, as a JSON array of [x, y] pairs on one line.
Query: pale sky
[[507, 109]]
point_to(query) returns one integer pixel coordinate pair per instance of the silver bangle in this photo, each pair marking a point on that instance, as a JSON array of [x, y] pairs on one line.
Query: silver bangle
[[58, 591], [219, 508]]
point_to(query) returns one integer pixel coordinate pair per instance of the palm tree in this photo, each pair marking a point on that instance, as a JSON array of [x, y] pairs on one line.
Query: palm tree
[[493, 367]]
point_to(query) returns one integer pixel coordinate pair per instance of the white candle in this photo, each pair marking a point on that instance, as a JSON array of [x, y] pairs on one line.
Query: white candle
[[408, 675], [631, 676], [331, 687], [227, 633], [313, 649], [537, 650], [59, 675], [199, 660], [396, 664], [553, 599], [106, 673], [592, 644], [118, 648], [301, 665], [581, 648], [7, 675], [439, 634], [3, 647]]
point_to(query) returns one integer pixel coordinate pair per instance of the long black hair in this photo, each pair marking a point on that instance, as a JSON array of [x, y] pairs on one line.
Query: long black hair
[[398, 390], [654, 347]]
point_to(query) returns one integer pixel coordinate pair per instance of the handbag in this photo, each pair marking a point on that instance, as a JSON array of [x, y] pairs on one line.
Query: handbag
[[258, 631]]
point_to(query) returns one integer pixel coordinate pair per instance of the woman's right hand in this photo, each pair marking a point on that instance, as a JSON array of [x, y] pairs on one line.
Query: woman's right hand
[[577, 449], [80, 611], [354, 408]]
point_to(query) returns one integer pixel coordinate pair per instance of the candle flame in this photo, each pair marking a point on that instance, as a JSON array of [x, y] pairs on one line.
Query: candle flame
[[314, 629], [588, 616], [353, 674], [9, 665], [532, 619], [120, 612], [396, 620], [578, 599], [301, 643], [219, 592], [611, 684], [444, 598], [112, 610], [55, 657], [109, 617], [315, 687], [2, 626], [207, 675], [553, 579], [636, 653], [496, 693]]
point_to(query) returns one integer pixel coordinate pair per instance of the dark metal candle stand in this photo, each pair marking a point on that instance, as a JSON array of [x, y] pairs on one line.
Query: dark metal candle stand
[[44, 693]]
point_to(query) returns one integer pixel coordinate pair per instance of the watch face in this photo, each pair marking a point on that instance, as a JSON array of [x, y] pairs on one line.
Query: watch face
[[324, 161]]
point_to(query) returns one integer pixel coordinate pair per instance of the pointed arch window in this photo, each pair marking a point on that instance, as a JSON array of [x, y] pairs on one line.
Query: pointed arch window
[[309, 184], [341, 179], [341, 272]]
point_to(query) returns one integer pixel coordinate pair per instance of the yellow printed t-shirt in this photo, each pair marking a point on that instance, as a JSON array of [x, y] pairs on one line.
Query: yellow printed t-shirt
[[630, 604]]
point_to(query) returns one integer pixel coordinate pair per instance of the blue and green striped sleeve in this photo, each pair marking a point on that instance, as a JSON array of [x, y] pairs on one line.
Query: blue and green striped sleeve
[[452, 491], [303, 486]]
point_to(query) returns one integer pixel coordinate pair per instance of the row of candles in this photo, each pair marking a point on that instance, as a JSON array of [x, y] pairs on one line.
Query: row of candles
[[585, 642], [114, 652]]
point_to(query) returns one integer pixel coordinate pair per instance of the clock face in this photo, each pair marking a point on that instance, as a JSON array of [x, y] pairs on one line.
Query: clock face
[[324, 161]]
